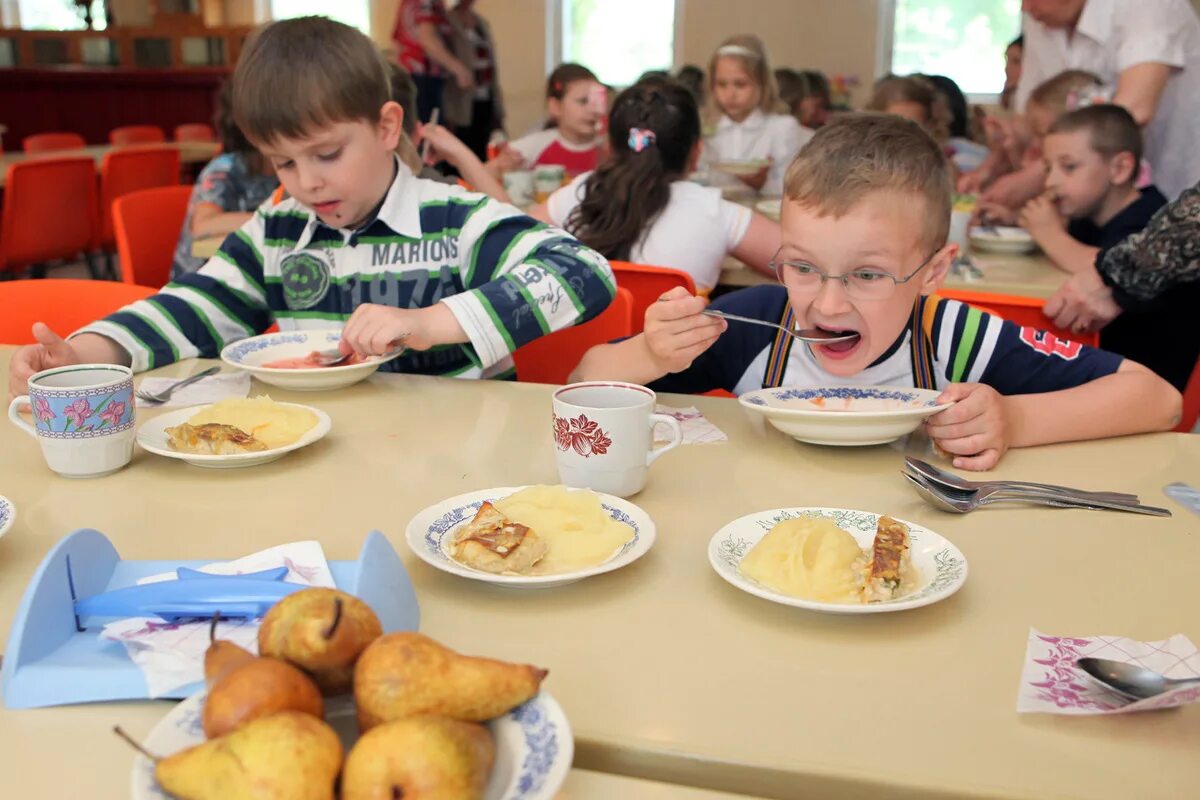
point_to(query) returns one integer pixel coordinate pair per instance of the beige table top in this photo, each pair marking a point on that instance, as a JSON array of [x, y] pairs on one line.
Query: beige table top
[[666, 672], [189, 153]]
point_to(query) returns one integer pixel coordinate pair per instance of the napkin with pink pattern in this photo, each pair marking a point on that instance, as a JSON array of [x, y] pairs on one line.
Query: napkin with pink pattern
[[696, 427], [1052, 684]]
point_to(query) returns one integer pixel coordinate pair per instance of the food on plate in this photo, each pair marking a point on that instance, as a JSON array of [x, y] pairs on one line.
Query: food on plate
[[222, 655], [578, 531], [812, 558], [321, 631], [255, 689], [311, 361], [493, 543], [420, 757], [212, 439], [408, 674], [270, 423]]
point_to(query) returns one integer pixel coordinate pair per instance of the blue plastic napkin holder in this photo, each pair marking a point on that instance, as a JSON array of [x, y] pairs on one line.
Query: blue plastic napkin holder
[[49, 662]]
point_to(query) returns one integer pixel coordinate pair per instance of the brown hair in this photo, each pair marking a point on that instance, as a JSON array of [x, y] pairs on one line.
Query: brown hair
[[1111, 130], [563, 76], [751, 53], [858, 154], [1054, 94], [404, 92], [298, 75], [914, 89]]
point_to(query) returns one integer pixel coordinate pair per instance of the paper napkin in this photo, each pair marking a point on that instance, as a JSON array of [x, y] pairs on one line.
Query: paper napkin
[[204, 391], [696, 427]]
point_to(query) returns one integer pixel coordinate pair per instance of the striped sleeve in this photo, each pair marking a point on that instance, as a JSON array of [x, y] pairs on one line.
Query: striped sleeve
[[197, 315], [523, 279]]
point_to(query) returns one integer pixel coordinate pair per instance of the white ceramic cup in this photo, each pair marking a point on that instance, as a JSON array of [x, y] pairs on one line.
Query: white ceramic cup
[[547, 178], [518, 183], [603, 434], [83, 417]]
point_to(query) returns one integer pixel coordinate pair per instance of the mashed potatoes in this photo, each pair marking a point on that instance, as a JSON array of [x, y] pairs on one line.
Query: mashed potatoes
[[272, 424], [810, 557], [577, 530]]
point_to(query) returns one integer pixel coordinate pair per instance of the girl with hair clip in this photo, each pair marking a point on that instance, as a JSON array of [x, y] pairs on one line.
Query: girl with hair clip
[[743, 91], [638, 205], [576, 104]]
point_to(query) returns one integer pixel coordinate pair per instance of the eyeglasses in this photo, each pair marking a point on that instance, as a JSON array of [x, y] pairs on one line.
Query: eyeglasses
[[860, 284]]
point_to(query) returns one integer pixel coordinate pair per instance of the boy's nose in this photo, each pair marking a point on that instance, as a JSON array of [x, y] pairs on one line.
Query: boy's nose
[[831, 298], [310, 179]]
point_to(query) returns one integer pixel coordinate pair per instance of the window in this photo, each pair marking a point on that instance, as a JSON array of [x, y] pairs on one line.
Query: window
[[961, 39], [59, 15], [352, 12], [618, 39]]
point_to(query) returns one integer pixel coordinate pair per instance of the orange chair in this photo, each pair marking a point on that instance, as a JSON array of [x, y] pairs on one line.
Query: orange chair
[[551, 358], [648, 284], [136, 134], [128, 170], [64, 305], [195, 132], [1025, 311], [49, 213], [147, 225], [1191, 402], [49, 142]]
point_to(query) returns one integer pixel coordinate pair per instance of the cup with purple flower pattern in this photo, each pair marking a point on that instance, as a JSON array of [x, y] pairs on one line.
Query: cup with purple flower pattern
[[82, 417]]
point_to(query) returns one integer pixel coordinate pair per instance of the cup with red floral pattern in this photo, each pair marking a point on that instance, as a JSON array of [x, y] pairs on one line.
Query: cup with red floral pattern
[[82, 417], [603, 434]]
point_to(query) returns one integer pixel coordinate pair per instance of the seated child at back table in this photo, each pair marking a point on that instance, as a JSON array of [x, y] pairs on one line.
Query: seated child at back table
[[865, 220]]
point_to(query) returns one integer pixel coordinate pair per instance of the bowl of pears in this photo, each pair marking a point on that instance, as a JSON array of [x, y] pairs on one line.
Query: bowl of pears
[[331, 707]]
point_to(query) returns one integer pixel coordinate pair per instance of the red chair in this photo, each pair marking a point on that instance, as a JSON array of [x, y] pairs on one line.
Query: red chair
[[124, 171], [147, 225], [136, 134], [1191, 402], [648, 284], [49, 213], [64, 305], [195, 132], [551, 358], [50, 142], [1025, 311]]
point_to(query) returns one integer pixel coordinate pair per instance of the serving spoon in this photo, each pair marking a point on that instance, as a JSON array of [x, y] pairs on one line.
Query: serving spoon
[[1130, 680]]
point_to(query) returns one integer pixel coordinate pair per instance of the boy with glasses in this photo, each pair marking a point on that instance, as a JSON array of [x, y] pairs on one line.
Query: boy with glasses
[[865, 220]]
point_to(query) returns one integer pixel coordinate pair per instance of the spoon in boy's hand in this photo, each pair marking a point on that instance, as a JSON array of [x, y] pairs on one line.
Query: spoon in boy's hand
[[815, 335]]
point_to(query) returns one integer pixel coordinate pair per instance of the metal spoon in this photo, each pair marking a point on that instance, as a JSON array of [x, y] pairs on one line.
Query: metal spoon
[[983, 497], [332, 358], [803, 335], [951, 481], [1130, 680]]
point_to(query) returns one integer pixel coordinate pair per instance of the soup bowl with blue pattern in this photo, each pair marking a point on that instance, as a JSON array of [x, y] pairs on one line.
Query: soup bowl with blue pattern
[[844, 415]]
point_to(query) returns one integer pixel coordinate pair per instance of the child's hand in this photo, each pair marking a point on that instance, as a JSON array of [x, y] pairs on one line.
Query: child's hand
[[975, 429], [1040, 216], [676, 333], [373, 330], [758, 180], [508, 159], [443, 145], [988, 213], [50, 351]]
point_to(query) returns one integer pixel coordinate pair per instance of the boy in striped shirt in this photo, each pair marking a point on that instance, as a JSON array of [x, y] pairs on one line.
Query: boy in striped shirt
[[865, 220], [460, 279]]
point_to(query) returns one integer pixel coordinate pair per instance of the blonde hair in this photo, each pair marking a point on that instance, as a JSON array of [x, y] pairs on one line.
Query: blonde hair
[[917, 89], [1055, 93], [751, 53], [860, 154]]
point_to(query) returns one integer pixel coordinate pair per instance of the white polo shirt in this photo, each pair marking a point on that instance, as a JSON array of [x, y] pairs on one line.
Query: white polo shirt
[[775, 136], [1114, 35]]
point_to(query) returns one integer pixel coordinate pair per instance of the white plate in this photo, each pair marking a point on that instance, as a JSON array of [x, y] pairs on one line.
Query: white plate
[[771, 207], [942, 567], [849, 415], [1004, 239], [152, 436], [250, 354], [431, 531], [8, 514], [747, 167], [534, 746]]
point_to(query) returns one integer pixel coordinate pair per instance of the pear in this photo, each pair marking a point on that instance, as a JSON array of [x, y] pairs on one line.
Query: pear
[[322, 631], [406, 674], [221, 655], [420, 758], [286, 756], [258, 688]]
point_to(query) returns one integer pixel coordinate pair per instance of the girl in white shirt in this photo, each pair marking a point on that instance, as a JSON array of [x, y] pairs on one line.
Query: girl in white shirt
[[637, 205], [742, 87]]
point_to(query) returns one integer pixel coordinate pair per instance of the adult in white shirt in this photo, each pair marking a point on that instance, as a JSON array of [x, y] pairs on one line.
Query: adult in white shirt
[[1149, 50]]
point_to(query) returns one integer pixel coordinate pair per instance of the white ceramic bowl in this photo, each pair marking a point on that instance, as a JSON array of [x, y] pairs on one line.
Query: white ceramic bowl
[[534, 746], [8, 514], [1003, 239], [942, 566], [152, 436], [250, 354], [844, 415], [431, 531]]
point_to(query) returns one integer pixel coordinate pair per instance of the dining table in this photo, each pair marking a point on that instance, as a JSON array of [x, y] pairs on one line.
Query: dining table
[[189, 153], [677, 684]]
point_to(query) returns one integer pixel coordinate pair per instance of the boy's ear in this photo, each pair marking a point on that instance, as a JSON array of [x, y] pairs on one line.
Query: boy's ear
[[391, 124], [939, 265], [1122, 168]]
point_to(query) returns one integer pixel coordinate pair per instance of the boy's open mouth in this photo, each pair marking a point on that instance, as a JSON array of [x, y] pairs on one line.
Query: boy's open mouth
[[840, 349]]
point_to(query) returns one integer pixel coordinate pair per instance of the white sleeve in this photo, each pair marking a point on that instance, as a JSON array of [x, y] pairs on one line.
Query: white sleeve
[[565, 200], [735, 221], [531, 146], [1033, 61], [787, 137], [1153, 32]]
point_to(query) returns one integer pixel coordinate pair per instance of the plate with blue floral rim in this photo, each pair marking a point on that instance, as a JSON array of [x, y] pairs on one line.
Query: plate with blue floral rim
[[534, 746], [431, 532], [250, 355], [844, 415], [152, 437], [941, 567], [8, 514]]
